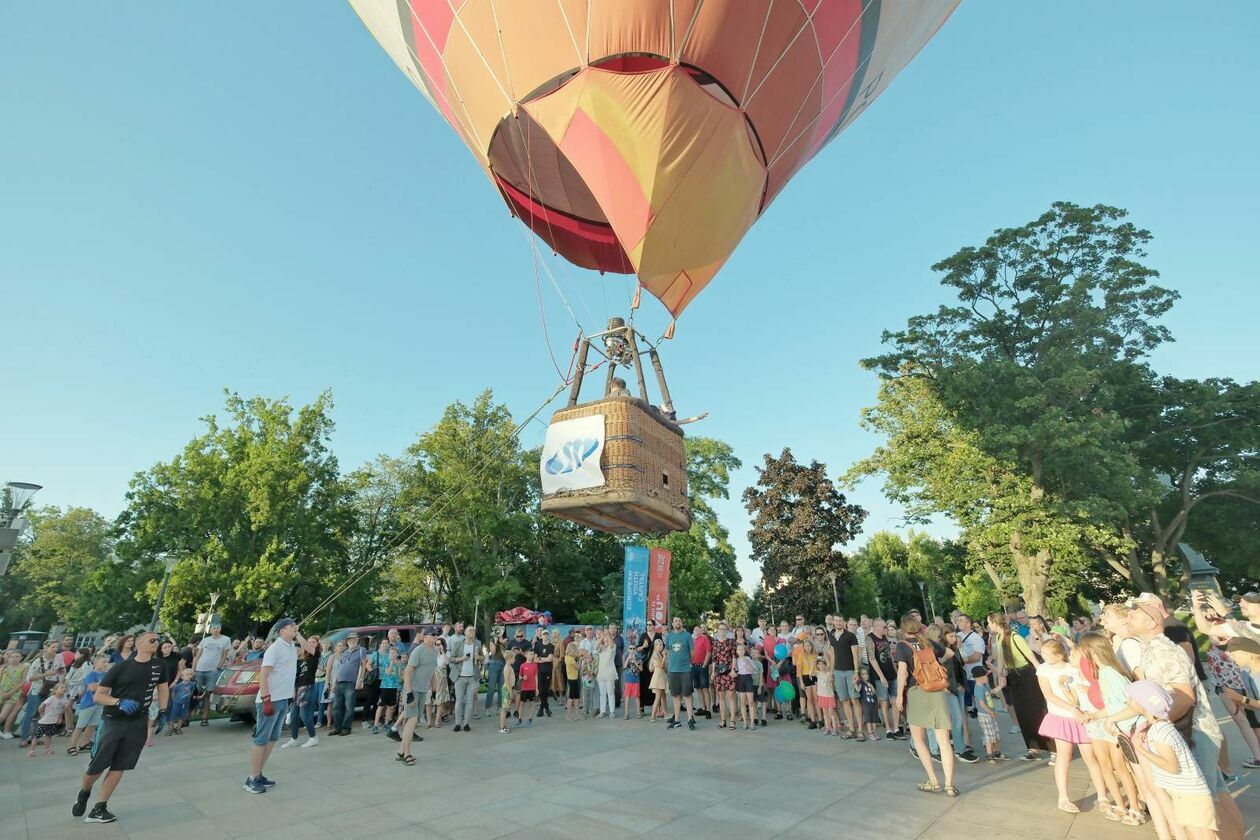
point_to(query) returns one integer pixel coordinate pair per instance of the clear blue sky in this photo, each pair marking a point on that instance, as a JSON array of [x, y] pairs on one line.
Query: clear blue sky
[[252, 196]]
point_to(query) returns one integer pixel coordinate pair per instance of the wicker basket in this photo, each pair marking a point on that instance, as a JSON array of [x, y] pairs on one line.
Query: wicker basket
[[645, 472]]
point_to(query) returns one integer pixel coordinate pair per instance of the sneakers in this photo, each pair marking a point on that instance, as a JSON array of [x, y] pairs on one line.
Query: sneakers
[[376, 730], [6, 736], [967, 756], [913, 751], [1251, 764], [99, 814], [80, 803], [1053, 757], [691, 724], [466, 727], [289, 743], [311, 742], [264, 781], [393, 736], [528, 724], [674, 725], [1030, 756], [251, 786], [503, 730]]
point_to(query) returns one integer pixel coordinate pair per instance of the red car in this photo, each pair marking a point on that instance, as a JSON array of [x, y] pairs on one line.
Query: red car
[[237, 688]]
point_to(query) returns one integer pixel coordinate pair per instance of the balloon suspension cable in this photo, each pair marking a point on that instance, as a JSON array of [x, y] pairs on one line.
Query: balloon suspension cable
[[432, 512]]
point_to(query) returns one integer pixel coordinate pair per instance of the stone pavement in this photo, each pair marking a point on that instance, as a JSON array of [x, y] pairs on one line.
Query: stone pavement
[[591, 779]]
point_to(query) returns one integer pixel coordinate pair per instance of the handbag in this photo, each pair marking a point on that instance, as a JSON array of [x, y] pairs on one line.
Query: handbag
[[1125, 740]]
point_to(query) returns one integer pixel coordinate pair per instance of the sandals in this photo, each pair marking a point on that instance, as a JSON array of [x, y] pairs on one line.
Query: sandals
[[861, 737], [1133, 817], [72, 751], [950, 790], [409, 760], [1067, 806], [930, 787]]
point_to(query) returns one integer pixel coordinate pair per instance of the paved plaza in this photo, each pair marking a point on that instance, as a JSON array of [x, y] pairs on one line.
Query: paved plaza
[[594, 780]]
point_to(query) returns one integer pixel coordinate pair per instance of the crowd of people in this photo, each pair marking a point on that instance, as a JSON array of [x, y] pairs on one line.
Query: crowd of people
[[1127, 689]]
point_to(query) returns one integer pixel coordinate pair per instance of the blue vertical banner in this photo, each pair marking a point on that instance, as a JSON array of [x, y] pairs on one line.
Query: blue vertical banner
[[635, 597]]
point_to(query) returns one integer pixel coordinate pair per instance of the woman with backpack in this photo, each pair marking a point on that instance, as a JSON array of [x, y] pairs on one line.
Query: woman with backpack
[[922, 686], [1017, 670]]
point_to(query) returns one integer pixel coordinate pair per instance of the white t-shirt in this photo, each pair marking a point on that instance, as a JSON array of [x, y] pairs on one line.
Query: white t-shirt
[[212, 651], [756, 635], [1130, 653], [1059, 700], [281, 656], [970, 645]]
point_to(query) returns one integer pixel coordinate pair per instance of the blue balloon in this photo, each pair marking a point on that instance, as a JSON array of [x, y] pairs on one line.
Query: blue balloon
[[780, 651], [785, 692]]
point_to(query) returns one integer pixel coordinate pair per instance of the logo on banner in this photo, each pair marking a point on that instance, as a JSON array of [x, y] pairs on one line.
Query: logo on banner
[[571, 453], [658, 585], [634, 601]]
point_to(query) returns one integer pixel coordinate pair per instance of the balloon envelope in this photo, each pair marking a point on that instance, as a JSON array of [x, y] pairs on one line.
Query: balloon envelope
[[780, 651], [646, 136], [785, 692]]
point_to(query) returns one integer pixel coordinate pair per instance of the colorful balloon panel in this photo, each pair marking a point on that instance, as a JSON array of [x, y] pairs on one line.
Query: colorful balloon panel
[[647, 136]]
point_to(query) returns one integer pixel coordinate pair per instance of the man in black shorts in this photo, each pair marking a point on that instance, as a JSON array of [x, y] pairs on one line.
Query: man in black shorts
[[125, 693], [678, 647]]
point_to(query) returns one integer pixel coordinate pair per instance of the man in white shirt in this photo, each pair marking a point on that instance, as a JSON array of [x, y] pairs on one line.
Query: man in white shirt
[[758, 634], [971, 648], [276, 677], [213, 652]]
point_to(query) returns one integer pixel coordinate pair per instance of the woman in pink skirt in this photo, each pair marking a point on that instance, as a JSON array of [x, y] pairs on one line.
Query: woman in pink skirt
[[1061, 685]]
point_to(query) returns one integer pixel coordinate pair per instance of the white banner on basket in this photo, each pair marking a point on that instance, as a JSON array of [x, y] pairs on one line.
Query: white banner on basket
[[571, 453]]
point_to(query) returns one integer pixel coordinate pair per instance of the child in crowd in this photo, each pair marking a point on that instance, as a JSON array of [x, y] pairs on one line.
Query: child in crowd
[[826, 698], [50, 712], [630, 683], [759, 685], [660, 683], [181, 702], [1103, 692], [744, 687], [573, 681], [1063, 719], [986, 715], [509, 683], [1176, 776], [88, 715], [529, 689], [869, 702]]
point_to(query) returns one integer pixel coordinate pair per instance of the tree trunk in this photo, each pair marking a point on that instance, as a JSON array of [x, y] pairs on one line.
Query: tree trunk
[[1033, 572]]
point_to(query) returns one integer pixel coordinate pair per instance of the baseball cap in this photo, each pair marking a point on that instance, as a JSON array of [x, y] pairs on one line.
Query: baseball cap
[[1151, 697], [1149, 603], [216, 623]]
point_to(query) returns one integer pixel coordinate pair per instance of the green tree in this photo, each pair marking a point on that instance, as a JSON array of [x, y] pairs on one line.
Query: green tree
[[1200, 442], [1053, 322], [703, 572], [736, 608], [257, 510], [67, 574], [799, 522]]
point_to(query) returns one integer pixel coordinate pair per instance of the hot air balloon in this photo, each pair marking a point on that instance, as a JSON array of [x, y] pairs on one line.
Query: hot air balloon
[[646, 136]]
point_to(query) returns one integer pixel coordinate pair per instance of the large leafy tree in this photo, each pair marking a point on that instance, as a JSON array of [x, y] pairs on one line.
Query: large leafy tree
[[932, 464], [1200, 439], [255, 509], [67, 574], [1053, 322], [702, 570], [799, 522]]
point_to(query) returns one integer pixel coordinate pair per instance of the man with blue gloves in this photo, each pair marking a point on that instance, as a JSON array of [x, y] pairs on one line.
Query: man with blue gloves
[[126, 692]]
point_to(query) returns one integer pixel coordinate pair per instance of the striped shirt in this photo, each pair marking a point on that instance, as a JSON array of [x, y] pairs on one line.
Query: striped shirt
[[1188, 778]]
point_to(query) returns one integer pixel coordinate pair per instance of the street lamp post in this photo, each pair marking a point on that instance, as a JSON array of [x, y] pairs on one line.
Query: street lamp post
[[835, 596], [927, 614], [12, 524], [169, 561]]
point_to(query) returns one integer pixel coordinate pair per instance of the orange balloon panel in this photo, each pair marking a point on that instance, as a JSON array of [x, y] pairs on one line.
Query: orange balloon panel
[[646, 136]]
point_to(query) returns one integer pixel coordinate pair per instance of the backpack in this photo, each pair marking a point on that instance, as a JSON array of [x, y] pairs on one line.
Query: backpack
[[928, 673]]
